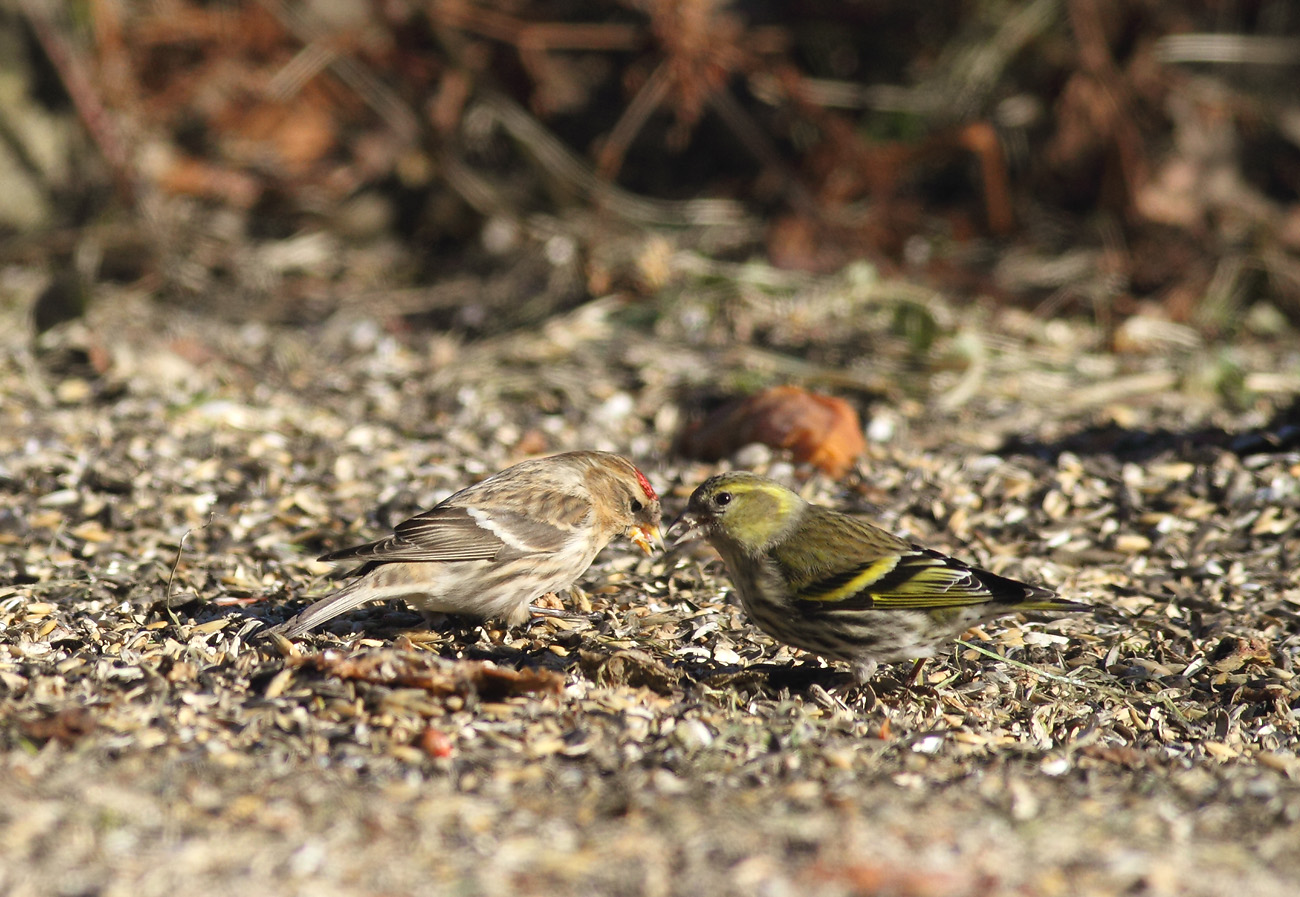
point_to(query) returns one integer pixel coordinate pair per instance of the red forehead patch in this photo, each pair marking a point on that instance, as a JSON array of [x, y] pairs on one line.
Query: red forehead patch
[[645, 485]]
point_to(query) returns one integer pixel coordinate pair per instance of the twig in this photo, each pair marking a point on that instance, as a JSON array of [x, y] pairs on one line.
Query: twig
[[385, 103], [180, 547], [1043, 674], [81, 88], [561, 163]]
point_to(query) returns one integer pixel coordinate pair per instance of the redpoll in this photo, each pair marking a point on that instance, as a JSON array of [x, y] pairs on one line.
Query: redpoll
[[491, 549]]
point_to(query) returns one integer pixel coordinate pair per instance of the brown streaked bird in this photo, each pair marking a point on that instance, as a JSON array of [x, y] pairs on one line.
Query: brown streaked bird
[[493, 548], [833, 584]]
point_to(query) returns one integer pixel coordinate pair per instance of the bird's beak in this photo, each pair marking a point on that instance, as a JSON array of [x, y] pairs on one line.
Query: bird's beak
[[688, 525], [646, 538]]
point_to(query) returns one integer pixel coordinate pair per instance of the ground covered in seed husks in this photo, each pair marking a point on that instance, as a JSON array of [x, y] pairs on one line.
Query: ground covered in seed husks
[[163, 495]]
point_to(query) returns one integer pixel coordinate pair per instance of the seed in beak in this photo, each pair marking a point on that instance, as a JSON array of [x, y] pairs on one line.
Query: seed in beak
[[646, 538]]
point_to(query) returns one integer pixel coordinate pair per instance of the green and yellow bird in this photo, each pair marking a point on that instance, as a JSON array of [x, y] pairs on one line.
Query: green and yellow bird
[[835, 585]]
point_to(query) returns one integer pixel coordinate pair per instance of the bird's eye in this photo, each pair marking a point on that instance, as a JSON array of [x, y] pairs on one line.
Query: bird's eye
[[722, 499], [636, 506]]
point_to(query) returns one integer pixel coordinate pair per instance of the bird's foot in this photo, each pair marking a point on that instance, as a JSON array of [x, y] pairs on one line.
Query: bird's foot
[[424, 636], [537, 611]]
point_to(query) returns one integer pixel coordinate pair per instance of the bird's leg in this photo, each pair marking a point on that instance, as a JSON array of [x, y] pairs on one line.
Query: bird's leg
[[863, 670], [550, 612]]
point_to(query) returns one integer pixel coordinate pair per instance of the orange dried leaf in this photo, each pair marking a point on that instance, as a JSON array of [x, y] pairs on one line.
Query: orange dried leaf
[[64, 726], [295, 135], [187, 176], [817, 429], [409, 670]]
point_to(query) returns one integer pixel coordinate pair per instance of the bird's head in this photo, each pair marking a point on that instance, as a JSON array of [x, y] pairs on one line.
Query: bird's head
[[646, 515], [743, 508], [624, 498]]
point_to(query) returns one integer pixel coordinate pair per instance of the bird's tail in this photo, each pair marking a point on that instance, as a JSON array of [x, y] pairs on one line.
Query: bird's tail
[[1048, 601], [348, 598]]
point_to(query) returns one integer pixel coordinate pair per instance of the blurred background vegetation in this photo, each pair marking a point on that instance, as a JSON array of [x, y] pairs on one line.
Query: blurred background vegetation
[[475, 166]]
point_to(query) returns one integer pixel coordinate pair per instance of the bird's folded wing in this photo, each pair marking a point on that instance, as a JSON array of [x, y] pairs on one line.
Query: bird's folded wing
[[459, 534], [913, 580]]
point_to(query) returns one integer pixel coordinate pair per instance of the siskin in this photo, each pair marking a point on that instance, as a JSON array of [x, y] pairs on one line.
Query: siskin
[[832, 584]]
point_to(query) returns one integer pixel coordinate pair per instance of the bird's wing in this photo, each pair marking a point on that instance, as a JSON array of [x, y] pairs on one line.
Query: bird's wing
[[915, 579], [856, 565], [456, 532]]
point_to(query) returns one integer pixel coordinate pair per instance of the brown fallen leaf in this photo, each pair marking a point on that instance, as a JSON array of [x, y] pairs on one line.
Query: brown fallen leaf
[[433, 674], [64, 726], [905, 881], [186, 176], [818, 429], [1232, 653], [631, 668]]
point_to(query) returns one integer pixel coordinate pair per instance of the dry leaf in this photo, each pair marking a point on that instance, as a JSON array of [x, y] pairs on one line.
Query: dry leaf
[[64, 726], [433, 674], [818, 429]]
